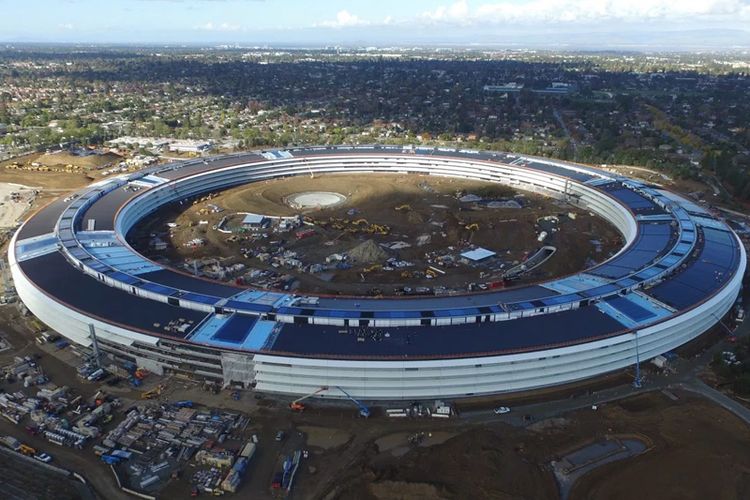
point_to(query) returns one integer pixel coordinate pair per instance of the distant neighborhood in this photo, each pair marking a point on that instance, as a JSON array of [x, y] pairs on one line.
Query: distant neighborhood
[[683, 114]]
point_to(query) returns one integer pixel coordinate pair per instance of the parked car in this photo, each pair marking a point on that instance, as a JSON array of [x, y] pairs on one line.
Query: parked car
[[280, 436], [501, 410], [43, 457]]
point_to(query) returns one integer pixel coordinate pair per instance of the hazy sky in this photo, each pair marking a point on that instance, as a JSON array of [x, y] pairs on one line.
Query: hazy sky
[[377, 22]]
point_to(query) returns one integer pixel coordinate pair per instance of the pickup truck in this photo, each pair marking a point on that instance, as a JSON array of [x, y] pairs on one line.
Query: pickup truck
[[11, 442]]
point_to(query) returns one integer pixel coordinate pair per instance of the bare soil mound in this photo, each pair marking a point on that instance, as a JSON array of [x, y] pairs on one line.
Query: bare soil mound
[[367, 252]]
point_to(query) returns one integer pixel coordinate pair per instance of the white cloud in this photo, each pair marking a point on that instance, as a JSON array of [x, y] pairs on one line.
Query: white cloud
[[457, 11], [344, 19], [210, 26], [66, 26], [469, 13], [583, 11]]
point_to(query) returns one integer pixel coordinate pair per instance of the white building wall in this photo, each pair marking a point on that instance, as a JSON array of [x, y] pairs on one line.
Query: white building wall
[[416, 379]]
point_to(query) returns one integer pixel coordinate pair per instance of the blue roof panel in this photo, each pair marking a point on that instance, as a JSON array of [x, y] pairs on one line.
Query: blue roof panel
[[249, 306], [630, 309], [236, 329]]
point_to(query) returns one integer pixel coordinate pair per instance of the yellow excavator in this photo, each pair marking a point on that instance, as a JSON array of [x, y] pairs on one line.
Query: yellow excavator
[[405, 207], [153, 393], [379, 229]]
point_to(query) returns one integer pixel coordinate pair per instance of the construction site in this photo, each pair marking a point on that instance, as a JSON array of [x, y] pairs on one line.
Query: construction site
[[379, 235], [77, 423], [173, 438], [131, 434]]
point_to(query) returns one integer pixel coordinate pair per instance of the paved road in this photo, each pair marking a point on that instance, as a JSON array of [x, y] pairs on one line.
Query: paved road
[[719, 398], [564, 126]]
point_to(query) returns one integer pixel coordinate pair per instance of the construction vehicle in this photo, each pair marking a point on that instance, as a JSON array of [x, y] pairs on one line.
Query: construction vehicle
[[374, 267], [305, 233], [297, 405], [11, 442], [26, 450], [472, 227], [152, 393], [379, 229], [110, 460], [360, 222], [363, 410], [121, 454], [405, 207], [435, 271]]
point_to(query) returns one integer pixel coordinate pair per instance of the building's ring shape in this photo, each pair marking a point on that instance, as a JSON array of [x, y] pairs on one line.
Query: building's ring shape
[[679, 272]]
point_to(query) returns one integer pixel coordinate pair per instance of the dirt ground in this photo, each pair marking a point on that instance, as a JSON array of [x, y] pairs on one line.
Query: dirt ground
[[61, 181], [53, 180], [699, 451], [429, 209], [13, 207]]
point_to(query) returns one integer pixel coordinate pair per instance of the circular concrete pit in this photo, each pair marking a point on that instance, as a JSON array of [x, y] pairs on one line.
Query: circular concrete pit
[[314, 200]]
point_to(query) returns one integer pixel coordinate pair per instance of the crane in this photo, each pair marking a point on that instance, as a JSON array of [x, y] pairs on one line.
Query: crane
[[297, 405], [363, 410]]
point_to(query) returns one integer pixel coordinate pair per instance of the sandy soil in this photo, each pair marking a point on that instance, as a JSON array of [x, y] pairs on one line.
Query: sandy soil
[[62, 181], [12, 208]]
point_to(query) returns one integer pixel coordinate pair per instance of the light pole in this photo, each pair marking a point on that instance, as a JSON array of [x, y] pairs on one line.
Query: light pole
[[637, 380]]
